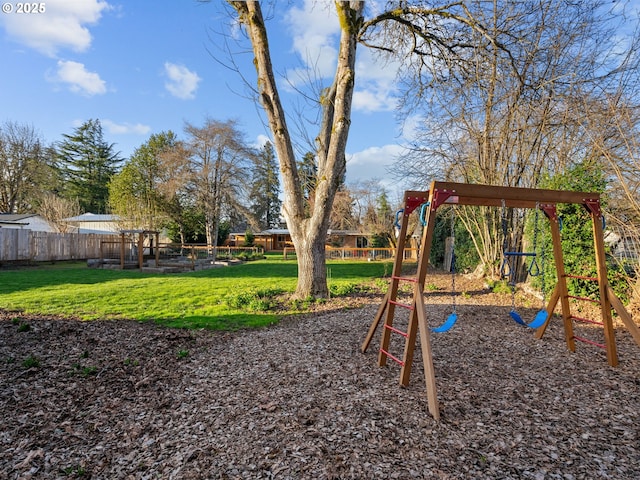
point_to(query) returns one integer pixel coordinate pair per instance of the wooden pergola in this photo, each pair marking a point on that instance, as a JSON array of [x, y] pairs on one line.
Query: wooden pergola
[[442, 193], [141, 234]]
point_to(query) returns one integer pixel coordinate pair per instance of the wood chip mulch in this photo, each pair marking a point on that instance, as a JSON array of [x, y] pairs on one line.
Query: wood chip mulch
[[129, 400]]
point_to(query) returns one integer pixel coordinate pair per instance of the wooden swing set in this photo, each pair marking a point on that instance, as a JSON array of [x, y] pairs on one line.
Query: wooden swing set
[[450, 193]]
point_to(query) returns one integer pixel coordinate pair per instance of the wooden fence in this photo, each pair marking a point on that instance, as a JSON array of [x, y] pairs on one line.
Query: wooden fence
[[17, 245], [352, 253]]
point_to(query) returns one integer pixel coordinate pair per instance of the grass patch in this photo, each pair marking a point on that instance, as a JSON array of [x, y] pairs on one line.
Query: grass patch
[[24, 327], [183, 353], [31, 362], [84, 371], [253, 294], [74, 471]]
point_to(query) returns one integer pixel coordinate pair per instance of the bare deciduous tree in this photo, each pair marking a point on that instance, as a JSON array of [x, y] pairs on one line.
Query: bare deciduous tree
[[613, 127], [219, 161], [55, 209], [511, 109], [23, 164], [308, 232], [426, 33]]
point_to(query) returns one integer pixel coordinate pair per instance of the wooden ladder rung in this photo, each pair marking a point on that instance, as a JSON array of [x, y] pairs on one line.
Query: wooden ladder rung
[[405, 279], [585, 320], [400, 304], [584, 299], [582, 277], [394, 329], [590, 342], [395, 359]]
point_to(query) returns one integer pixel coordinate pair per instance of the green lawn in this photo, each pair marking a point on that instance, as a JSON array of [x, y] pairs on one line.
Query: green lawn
[[221, 298]]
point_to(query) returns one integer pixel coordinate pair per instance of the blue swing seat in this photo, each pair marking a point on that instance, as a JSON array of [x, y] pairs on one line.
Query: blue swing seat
[[446, 326], [537, 321]]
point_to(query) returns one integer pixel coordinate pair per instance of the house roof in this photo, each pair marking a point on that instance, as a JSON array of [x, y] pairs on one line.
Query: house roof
[[14, 218], [93, 217]]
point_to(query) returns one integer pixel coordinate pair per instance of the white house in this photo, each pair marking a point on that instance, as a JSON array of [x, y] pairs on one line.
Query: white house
[[95, 223], [27, 221]]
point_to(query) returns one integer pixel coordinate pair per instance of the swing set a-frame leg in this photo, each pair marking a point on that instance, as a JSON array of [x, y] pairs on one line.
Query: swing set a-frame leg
[[560, 291], [624, 315], [427, 357], [418, 318], [376, 321]]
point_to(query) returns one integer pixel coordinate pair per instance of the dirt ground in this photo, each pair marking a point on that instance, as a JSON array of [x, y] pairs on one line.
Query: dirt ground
[[129, 400]]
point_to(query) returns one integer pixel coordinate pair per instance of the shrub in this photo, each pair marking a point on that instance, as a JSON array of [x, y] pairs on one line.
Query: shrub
[[254, 301], [249, 238], [249, 256], [500, 286], [344, 289], [577, 236]]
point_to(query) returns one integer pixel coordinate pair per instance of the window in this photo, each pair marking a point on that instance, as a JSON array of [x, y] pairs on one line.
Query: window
[[362, 242]]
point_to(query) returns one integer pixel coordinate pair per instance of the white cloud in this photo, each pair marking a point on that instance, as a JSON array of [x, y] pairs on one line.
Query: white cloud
[[182, 82], [62, 25], [372, 164], [373, 99], [375, 83], [125, 128], [315, 32], [262, 140], [78, 79], [314, 27], [412, 126]]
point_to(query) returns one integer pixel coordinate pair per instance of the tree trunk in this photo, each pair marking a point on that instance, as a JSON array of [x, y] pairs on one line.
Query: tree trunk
[[212, 221], [311, 261], [308, 232]]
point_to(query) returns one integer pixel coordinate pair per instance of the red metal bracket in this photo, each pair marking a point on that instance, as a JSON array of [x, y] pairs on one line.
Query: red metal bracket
[[412, 203], [550, 211], [593, 206], [440, 197]]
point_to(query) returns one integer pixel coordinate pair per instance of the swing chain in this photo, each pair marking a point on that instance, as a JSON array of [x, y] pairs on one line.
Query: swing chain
[[453, 259], [534, 268], [543, 285], [507, 269]]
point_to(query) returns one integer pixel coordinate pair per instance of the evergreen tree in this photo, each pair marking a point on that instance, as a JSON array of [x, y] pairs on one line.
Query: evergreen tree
[[265, 188], [88, 162], [145, 190]]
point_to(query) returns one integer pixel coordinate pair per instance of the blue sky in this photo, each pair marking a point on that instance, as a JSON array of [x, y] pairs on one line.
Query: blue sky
[[144, 67]]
